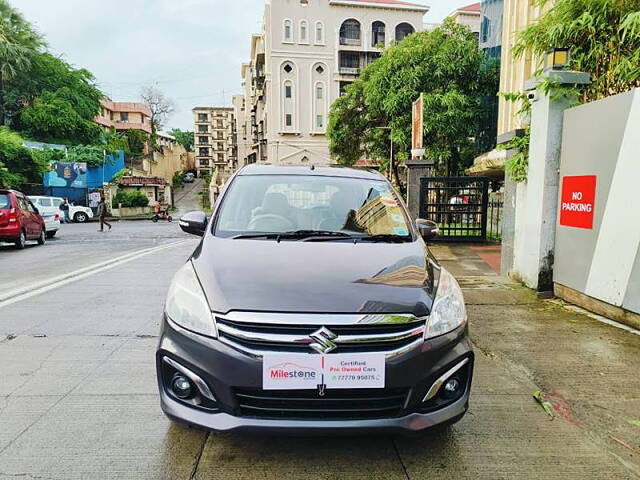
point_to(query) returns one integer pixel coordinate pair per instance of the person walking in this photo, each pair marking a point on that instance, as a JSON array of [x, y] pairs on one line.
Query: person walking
[[64, 206], [102, 213]]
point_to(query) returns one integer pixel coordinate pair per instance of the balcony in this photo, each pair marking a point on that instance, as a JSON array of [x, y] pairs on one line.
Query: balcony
[[350, 42], [349, 70]]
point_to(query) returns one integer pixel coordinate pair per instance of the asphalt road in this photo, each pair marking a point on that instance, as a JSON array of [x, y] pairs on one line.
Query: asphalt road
[[78, 395]]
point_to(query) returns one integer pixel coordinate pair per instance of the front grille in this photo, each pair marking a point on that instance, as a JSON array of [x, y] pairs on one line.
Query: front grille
[[350, 338], [307, 404]]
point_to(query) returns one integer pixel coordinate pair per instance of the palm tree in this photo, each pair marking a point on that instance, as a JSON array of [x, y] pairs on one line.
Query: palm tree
[[18, 42]]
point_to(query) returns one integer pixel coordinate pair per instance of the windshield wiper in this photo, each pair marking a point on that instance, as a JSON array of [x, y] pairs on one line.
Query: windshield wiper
[[384, 237], [296, 235]]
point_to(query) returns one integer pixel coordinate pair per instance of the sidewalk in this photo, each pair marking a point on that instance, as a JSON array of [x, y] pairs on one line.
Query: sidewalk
[[588, 371]]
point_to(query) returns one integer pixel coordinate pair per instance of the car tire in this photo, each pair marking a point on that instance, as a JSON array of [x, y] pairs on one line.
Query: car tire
[[80, 217], [51, 234], [42, 239], [22, 241]]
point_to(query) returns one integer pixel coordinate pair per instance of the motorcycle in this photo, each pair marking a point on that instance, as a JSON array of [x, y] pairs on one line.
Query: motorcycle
[[162, 216]]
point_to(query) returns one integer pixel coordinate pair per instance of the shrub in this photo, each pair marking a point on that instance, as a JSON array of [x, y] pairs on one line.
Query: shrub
[[130, 198]]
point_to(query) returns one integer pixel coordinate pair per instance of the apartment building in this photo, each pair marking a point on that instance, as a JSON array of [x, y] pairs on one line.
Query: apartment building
[[124, 116], [306, 55], [469, 15], [215, 139]]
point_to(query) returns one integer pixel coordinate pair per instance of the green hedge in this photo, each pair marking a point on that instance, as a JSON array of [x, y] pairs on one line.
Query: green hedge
[[130, 198]]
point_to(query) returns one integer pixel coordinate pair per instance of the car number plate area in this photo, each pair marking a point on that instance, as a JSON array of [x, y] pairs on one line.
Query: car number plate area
[[309, 371]]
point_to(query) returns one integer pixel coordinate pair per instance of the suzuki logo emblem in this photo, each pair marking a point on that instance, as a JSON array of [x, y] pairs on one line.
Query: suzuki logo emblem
[[323, 340]]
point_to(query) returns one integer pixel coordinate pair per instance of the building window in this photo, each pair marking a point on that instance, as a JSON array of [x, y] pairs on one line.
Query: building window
[[203, 140], [204, 152], [287, 91], [203, 117], [343, 87], [402, 30], [350, 32], [319, 33], [221, 157], [319, 121], [288, 120], [124, 117], [319, 92], [203, 128], [377, 34], [303, 32], [349, 60], [288, 31]]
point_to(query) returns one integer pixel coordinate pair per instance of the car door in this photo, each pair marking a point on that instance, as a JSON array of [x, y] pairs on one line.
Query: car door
[[25, 220]]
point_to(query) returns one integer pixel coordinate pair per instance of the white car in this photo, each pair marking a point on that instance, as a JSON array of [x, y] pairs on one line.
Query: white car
[[78, 214], [49, 213]]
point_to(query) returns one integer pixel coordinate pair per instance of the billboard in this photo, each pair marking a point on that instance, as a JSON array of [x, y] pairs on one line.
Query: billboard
[[66, 174]]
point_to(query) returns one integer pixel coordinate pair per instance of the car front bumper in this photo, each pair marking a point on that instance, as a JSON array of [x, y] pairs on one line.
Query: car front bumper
[[225, 370]]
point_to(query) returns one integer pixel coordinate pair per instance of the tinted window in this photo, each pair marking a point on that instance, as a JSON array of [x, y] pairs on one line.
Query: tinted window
[[45, 202], [282, 203], [57, 202], [5, 201]]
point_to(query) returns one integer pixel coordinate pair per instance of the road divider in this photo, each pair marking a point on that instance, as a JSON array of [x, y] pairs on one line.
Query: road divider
[[43, 286]]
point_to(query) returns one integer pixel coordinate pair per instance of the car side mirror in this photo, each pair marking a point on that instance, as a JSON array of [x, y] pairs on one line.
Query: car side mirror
[[194, 223], [428, 229]]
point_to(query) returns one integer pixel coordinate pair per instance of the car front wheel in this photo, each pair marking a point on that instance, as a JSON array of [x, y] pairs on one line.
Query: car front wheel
[[80, 217]]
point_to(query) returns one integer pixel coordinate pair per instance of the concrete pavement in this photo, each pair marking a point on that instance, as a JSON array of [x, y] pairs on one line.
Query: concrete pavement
[[78, 397]]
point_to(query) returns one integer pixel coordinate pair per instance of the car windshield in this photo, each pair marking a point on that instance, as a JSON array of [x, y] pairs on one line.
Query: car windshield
[[5, 202], [294, 203]]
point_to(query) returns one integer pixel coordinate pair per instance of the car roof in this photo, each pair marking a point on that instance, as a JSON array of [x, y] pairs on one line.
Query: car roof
[[311, 170]]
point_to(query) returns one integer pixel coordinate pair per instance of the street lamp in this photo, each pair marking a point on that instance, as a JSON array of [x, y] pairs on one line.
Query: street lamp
[[557, 59]]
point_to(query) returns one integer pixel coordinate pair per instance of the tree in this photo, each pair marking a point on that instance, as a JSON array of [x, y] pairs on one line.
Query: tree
[[18, 43], [604, 38], [19, 164], [137, 140], [184, 138], [50, 118], [453, 74], [161, 107]]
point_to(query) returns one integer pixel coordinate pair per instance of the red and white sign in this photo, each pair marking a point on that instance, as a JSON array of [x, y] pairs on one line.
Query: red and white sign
[[336, 371], [578, 201]]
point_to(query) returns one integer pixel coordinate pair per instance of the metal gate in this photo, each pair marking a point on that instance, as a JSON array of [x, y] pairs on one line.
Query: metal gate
[[458, 205]]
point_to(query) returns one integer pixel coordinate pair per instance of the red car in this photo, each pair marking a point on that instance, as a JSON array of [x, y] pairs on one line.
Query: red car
[[19, 219]]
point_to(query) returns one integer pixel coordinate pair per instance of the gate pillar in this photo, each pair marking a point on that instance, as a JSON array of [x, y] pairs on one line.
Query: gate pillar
[[416, 170], [537, 200]]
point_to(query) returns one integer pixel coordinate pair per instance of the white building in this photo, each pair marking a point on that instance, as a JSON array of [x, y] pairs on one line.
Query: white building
[[214, 139], [307, 53]]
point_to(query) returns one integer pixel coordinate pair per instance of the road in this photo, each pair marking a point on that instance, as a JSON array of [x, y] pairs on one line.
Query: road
[[78, 395]]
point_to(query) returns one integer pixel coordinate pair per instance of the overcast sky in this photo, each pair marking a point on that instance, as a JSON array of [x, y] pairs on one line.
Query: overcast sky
[[190, 49]]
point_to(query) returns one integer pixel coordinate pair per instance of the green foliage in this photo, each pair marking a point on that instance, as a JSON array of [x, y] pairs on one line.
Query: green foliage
[[518, 164], [113, 142], [452, 73], [137, 141], [131, 198], [118, 176], [184, 138], [18, 41], [22, 164], [176, 181], [604, 38], [53, 119]]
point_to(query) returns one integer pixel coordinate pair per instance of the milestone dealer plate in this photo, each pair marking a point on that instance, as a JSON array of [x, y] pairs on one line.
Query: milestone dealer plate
[[308, 371]]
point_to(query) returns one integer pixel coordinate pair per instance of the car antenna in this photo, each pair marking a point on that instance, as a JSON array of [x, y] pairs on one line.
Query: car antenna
[[313, 167]]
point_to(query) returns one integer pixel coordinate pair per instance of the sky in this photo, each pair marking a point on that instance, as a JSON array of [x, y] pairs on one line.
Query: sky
[[189, 49]]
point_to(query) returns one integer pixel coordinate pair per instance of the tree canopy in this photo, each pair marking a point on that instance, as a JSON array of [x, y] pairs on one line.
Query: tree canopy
[[184, 138], [18, 164], [604, 38], [453, 74]]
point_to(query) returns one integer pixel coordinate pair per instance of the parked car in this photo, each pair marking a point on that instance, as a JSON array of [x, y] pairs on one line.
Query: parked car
[[189, 178], [77, 213], [20, 220], [49, 213], [313, 304]]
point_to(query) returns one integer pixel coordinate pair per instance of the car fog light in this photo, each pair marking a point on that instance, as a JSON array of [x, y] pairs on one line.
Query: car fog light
[[451, 388], [181, 387]]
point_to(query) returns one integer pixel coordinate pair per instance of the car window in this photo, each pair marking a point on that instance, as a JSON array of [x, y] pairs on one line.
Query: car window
[[30, 206], [5, 201], [45, 202], [284, 203], [57, 202]]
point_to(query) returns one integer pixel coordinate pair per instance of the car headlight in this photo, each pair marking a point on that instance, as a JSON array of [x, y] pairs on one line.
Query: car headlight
[[448, 311], [187, 305]]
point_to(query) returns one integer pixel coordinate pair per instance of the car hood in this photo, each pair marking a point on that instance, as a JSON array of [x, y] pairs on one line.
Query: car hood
[[315, 277]]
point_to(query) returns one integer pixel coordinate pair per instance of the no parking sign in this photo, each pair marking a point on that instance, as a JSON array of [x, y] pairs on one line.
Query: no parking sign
[[578, 200]]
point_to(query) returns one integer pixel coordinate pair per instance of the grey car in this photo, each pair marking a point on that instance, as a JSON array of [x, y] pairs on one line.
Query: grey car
[[313, 304]]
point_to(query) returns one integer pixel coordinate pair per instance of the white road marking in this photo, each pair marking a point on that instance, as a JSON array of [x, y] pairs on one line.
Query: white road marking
[[54, 282]]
